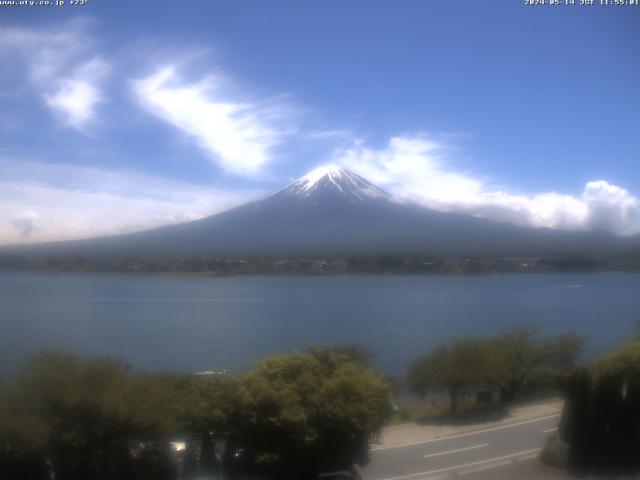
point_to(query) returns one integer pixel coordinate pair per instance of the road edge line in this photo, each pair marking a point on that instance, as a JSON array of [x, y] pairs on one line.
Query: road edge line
[[465, 434]]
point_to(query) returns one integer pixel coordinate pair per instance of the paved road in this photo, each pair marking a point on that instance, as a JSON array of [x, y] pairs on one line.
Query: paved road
[[469, 453]]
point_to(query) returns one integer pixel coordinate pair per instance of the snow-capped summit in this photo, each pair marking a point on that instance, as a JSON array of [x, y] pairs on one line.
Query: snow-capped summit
[[332, 181]]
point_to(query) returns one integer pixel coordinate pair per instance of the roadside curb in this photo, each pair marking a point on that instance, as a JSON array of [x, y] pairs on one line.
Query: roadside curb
[[461, 432]]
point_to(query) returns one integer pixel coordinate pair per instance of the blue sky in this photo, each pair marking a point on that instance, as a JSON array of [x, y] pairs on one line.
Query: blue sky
[[118, 116]]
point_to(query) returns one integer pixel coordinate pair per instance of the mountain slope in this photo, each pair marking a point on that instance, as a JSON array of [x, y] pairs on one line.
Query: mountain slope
[[334, 211]]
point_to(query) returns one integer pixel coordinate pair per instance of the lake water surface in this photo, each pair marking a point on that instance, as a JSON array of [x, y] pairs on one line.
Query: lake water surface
[[195, 323]]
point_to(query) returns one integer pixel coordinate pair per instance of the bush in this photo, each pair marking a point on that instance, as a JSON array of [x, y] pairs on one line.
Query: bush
[[555, 452], [94, 419], [601, 421]]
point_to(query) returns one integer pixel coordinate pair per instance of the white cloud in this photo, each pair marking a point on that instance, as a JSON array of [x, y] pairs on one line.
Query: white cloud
[[77, 96], [44, 202], [330, 134], [415, 169], [61, 69], [611, 208], [238, 136]]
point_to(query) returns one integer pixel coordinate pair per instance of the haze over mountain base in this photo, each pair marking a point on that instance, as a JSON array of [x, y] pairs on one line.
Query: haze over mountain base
[[334, 212]]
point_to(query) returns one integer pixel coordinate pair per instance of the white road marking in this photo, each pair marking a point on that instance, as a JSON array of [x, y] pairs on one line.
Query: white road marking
[[464, 465], [548, 430], [492, 466], [457, 450], [481, 468], [476, 432]]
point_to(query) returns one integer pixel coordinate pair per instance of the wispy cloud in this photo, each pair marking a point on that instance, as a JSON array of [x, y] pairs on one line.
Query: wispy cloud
[[330, 134], [61, 68], [43, 201], [418, 169], [238, 136], [77, 97]]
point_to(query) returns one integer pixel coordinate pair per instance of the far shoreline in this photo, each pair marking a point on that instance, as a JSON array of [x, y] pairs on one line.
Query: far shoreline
[[214, 274]]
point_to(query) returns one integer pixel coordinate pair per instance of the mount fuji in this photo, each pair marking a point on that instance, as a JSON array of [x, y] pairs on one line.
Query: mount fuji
[[333, 211]]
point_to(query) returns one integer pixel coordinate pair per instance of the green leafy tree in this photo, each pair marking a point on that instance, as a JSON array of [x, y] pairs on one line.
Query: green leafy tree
[[509, 363], [455, 367], [94, 419], [512, 359], [200, 407], [300, 412], [351, 352], [560, 354], [419, 376], [623, 365], [74, 412], [211, 403], [601, 420], [157, 404]]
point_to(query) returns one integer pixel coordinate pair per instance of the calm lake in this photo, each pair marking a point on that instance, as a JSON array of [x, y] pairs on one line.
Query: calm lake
[[190, 323]]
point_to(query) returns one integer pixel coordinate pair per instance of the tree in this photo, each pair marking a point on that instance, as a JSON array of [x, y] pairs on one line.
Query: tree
[[518, 360], [419, 377], [512, 358], [94, 419], [157, 404], [601, 420], [560, 353], [509, 363], [302, 412], [73, 412], [461, 364], [352, 352]]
